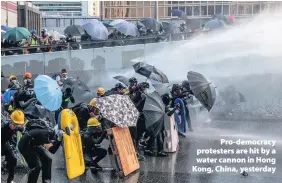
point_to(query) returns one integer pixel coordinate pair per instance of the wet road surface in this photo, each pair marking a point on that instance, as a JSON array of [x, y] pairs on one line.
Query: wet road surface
[[178, 166]]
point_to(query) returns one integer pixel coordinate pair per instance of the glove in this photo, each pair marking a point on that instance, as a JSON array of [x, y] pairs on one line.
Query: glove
[[60, 135]]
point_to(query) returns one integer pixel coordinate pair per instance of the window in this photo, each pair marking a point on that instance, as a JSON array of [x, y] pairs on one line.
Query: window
[[256, 9], [225, 9], [204, 10], [241, 10], [188, 10], [218, 9], [211, 10], [233, 10], [196, 10]]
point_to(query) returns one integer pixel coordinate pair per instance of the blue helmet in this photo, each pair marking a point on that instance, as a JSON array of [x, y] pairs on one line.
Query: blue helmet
[[33, 31]]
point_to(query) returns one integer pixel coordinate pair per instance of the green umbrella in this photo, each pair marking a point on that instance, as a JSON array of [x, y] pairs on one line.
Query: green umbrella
[[16, 34]]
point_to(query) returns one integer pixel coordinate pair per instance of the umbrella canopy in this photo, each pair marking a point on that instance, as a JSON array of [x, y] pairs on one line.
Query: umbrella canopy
[[122, 79], [16, 34], [151, 23], [203, 90], [96, 30], [161, 88], [179, 13], [54, 34], [154, 113], [74, 30], [118, 109], [150, 72], [125, 27], [215, 24], [72, 82], [48, 92]]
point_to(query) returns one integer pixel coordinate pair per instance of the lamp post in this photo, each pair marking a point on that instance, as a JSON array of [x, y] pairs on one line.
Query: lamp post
[[156, 10]]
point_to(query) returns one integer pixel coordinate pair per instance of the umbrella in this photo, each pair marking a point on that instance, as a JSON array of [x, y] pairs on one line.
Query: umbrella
[[118, 109], [122, 79], [48, 92], [125, 27], [161, 88], [54, 34], [203, 90], [179, 13], [242, 97], [214, 24], [74, 82], [16, 34], [154, 113], [74, 30], [96, 30], [151, 23], [150, 72]]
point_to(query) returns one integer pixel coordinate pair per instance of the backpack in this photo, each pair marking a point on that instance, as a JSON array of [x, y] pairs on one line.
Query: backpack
[[36, 124], [7, 96]]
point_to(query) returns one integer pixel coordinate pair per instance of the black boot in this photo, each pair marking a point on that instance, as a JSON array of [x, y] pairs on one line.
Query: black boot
[[110, 151], [162, 154], [149, 152]]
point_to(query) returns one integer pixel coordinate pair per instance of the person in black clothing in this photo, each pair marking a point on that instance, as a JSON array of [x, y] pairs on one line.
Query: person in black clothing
[[34, 145], [25, 96], [13, 82], [85, 37], [9, 129], [118, 89], [91, 139], [138, 98], [132, 85], [84, 112], [66, 99]]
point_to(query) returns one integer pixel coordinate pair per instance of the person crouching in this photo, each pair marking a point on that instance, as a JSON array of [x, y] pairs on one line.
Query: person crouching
[[91, 138]]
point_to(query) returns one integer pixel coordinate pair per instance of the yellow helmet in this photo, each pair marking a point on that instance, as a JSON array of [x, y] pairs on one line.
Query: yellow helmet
[[101, 91], [17, 117], [12, 77], [93, 122], [93, 102]]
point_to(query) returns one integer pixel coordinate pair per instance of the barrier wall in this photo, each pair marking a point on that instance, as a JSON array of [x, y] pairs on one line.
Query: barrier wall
[[105, 58]]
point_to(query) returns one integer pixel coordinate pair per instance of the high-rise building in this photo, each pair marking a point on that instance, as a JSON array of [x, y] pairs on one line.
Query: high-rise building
[[29, 16], [63, 8], [9, 15], [193, 9]]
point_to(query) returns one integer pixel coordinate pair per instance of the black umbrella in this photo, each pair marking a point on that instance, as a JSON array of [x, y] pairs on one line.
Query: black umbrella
[[150, 72], [151, 23], [203, 90], [242, 97], [161, 88], [75, 82], [122, 79], [74, 30], [154, 113]]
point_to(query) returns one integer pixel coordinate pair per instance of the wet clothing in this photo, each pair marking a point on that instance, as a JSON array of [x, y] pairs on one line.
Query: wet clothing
[[7, 145], [90, 139], [36, 156], [82, 112]]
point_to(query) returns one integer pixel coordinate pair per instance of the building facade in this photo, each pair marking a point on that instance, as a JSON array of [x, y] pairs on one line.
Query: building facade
[[9, 14], [62, 8], [29, 16], [193, 9]]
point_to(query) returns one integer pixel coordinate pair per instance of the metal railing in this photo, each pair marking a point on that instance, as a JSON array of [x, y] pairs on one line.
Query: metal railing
[[99, 43]]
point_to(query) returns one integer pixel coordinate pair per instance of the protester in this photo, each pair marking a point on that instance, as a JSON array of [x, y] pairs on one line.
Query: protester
[[62, 75], [100, 92], [10, 128], [39, 138], [91, 139]]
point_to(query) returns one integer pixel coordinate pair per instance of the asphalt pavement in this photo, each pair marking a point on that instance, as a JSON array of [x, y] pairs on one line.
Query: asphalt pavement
[[178, 167]]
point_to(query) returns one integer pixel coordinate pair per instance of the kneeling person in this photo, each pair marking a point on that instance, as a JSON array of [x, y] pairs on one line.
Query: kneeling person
[[91, 139]]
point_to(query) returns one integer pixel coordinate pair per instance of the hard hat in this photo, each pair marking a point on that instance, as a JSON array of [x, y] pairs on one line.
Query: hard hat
[[93, 102], [12, 77], [27, 75], [93, 122], [17, 117], [101, 91], [64, 71]]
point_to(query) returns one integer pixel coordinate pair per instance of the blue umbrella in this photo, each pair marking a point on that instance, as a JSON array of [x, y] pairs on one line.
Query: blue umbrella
[[5, 28], [215, 24], [48, 92]]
